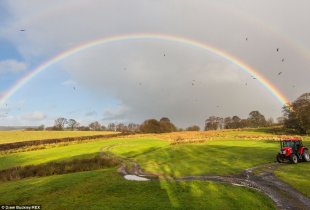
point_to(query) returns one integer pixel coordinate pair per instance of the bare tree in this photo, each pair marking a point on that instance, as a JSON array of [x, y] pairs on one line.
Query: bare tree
[[95, 126], [59, 123], [72, 124]]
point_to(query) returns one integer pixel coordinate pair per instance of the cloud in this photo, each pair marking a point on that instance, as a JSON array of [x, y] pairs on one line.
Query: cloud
[[115, 113], [69, 83], [12, 66], [187, 84], [34, 116]]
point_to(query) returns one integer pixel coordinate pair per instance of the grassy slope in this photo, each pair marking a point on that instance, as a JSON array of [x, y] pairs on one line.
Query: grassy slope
[[158, 157], [105, 189], [17, 136], [82, 150], [214, 157]]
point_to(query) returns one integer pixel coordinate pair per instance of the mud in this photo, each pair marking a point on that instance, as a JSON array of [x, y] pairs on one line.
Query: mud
[[260, 178]]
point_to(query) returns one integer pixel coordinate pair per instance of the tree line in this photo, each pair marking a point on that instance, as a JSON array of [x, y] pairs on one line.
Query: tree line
[[255, 120], [296, 118]]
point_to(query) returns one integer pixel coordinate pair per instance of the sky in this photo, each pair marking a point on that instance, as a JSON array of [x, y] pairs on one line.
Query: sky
[[133, 80]]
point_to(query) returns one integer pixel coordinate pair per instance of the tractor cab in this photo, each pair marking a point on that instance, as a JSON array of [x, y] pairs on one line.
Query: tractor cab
[[291, 144], [292, 151]]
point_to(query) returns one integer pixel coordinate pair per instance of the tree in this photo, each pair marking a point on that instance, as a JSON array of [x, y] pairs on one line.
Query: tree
[[111, 127], [270, 121], [150, 126], [83, 128], [236, 122], [297, 114], [121, 127], [214, 123], [193, 128], [95, 126], [166, 125], [228, 123], [41, 128], [72, 124], [256, 119], [59, 123], [133, 127], [281, 120]]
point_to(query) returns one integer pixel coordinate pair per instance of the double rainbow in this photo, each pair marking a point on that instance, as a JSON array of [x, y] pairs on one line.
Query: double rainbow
[[146, 36]]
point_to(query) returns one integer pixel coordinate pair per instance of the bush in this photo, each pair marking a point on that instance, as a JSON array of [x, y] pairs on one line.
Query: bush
[[53, 168]]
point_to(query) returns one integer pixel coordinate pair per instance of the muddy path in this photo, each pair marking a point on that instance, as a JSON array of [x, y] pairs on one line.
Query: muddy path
[[260, 178]]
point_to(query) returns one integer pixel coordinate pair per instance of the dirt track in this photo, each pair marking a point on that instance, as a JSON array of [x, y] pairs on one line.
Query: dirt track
[[260, 178]]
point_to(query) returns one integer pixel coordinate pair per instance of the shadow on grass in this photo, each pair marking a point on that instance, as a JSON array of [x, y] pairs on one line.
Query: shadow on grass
[[185, 160]]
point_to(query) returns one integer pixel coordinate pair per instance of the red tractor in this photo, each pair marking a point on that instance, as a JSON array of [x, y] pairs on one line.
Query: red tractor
[[292, 151]]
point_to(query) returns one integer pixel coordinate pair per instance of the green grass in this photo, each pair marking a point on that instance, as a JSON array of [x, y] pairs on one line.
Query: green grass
[[212, 158], [18, 136], [157, 156], [83, 150], [105, 189], [297, 175]]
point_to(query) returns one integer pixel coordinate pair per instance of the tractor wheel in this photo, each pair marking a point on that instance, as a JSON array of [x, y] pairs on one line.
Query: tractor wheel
[[279, 159], [294, 158], [306, 156]]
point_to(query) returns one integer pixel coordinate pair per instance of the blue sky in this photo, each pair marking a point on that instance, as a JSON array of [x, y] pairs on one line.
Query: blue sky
[[131, 81]]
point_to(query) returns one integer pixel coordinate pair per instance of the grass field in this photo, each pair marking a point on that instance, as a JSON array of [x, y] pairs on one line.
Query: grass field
[[195, 153], [210, 158], [82, 150], [105, 189], [297, 176], [18, 136]]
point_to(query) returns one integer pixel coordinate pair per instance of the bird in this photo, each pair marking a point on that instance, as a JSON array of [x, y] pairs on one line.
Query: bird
[[282, 59], [192, 84], [22, 30], [254, 78], [246, 84], [164, 54], [74, 88], [280, 73], [277, 49], [139, 83], [246, 38]]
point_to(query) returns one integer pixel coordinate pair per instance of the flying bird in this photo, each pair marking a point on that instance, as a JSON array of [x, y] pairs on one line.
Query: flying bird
[[74, 88], [277, 49], [282, 59], [164, 54], [280, 73], [246, 39], [246, 84], [22, 30]]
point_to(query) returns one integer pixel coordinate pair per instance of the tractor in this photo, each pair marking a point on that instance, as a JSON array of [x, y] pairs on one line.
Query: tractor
[[292, 151]]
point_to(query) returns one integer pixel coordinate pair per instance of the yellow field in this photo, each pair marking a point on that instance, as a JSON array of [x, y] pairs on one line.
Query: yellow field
[[203, 136], [18, 136]]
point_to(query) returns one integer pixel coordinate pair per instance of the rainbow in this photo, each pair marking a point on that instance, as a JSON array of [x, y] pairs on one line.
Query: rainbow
[[148, 36]]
